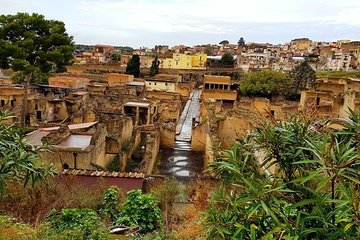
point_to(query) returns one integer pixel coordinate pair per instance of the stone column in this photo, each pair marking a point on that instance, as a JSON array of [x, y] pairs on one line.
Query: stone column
[[137, 116]]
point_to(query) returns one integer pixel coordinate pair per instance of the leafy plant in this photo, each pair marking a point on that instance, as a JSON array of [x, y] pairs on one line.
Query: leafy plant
[[77, 223], [265, 84], [18, 159], [296, 179], [157, 236], [140, 210], [109, 206]]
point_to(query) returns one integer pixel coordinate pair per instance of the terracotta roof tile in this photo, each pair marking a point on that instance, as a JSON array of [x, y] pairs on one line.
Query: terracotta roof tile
[[96, 173]]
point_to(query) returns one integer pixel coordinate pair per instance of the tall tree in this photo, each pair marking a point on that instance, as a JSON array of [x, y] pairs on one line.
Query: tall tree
[[133, 66], [265, 84], [227, 59], [33, 46], [224, 42], [241, 42], [115, 57], [303, 77], [154, 69]]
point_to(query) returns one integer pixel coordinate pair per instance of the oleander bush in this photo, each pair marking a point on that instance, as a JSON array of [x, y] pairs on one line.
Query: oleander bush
[[295, 179]]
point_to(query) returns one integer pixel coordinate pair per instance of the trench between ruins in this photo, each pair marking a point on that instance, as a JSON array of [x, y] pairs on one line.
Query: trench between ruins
[[181, 162]]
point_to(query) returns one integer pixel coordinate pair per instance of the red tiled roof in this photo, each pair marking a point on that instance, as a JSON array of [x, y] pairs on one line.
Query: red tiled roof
[[79, 172]]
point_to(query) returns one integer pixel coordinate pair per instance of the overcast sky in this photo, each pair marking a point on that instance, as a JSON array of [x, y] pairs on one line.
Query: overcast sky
[[138, 23]]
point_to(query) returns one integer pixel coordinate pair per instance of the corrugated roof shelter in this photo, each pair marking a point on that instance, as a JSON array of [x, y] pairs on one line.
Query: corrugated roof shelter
[[135, 83], [34, 138], [74, 141], [137, 104]]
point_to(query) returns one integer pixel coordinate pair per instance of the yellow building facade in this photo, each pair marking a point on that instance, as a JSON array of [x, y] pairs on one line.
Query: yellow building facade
[[199, 60], [184, 61], [162, 82]]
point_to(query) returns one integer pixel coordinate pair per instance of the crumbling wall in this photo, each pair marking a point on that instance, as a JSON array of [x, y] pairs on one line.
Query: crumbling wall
[[349, 101], [232, 128], [130, 148], [112, 146], [162, 95], [206, 107], [114, 79], [208, 95], [169, 111], [209, 151], [98, 141], [198, 137], [127, 129], [184, 89], [167, 133], [152, 149], [59, 159], [55, 111], [63, 80]]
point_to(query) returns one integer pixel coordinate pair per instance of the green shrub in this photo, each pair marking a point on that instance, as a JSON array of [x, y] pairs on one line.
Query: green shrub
[[114, 165], [265, 84], [77, 223], [109, 206], [140, 210], [157, 236], [306, 185]]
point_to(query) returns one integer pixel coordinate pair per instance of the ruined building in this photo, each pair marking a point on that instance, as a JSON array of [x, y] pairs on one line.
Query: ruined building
[[333, 97]]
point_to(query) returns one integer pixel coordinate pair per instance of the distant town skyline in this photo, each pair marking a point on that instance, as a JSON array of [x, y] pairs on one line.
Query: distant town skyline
[[145, 23]]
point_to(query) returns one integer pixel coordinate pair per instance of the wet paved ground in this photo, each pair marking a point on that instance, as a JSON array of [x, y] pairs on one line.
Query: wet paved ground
[[191, 111], [181, 162]]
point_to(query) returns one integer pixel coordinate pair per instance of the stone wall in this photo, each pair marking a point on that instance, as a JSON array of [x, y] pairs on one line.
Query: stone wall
[[198, 137], [167, 137], [68, 81], [232, 128], [169, 111], [152, 149], [209, 151], [114, 79], [230, 95], [184, 89]]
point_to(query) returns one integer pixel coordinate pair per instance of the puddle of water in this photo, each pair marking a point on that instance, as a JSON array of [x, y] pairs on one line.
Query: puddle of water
[[182, 143], [176, 169], [176, 159], [184, 173], [182, 163]]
